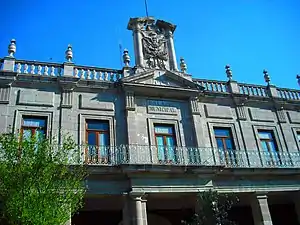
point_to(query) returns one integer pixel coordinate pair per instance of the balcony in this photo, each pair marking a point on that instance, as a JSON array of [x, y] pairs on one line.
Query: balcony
[[187, 156]]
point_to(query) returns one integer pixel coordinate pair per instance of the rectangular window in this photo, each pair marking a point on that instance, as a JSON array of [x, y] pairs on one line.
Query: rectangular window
[[225, 144], [165, 142], [97, 138], [298, 136], [33, 126], [270, 151]]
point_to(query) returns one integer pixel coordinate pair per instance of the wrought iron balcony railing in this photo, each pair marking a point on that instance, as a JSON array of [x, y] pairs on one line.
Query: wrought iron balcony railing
[[188, 156]]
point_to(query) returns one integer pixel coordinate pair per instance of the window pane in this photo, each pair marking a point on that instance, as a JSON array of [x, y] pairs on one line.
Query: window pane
[[265, 135], [160, 147], [160, 140], [27, 134], [228, 144], [220, 143], [170, 148], [272, 146], [34, 122], [264, 146], [103, 139], [222, 132], [163, 129], [97, 125], [92, 138], [298, 135]]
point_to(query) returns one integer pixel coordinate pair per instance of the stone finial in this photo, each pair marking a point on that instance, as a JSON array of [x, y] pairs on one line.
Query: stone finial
[[126, 57], [298, 78], [69, 53], [266, 76], [228, 72], [183, 65], [12, 48]]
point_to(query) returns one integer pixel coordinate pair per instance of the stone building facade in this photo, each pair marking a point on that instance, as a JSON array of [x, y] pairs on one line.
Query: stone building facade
[[152, 136]]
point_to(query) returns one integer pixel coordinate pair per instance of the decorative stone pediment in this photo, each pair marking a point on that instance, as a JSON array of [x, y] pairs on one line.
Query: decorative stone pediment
[[162, 78]]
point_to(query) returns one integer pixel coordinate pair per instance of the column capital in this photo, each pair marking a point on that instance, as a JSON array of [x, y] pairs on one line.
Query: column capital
[[260, 195], [138, 196]]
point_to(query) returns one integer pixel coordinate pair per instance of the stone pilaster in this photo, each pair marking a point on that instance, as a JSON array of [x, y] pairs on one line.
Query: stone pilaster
[[260, 210]]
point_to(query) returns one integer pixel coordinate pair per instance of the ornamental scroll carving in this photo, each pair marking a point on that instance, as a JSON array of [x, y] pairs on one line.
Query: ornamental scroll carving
[[154, 47]]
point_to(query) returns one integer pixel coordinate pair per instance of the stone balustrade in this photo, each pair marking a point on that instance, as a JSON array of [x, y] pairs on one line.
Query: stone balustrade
[[252, 90], [213, 85], [288, 94], [94, 73], [188, 156], [38, 68]]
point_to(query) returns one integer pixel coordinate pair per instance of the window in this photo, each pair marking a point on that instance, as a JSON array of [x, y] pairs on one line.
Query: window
[[225, 144], [97, 138], [33, 126], [165, 142], [269, 147], [298, 136]]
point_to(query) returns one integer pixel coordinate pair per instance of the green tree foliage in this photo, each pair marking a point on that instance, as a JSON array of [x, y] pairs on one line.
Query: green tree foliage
[[212, 209], [41, 183]]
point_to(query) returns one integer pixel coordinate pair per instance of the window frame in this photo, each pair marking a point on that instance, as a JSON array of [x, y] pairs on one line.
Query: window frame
[[178, 133], [229, 154], [296, 132], [87, 130], [165, 146], [82, 136], [33, 128], [19, 114]]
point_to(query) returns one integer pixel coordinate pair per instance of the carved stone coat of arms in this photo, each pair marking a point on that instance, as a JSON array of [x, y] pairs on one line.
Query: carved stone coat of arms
[[154, 47]]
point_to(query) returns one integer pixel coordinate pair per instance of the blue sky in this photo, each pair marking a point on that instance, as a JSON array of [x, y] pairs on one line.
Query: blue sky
[[250, 35]]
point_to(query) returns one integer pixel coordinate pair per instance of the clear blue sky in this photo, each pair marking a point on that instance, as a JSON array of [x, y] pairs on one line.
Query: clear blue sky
[[250, 35]]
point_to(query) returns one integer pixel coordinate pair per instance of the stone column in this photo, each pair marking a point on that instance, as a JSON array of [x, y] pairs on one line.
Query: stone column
[[260, 210], [135, 210], [172, 54]]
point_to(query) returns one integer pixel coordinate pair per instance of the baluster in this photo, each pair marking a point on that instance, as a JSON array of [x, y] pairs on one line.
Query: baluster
[[118, 76], [52, 70], [82, 74], [26, 68], [94, 75], [251, 91], [76, 73], [39, 72], [88, 77], [19, 68], [289, 95], [248, 90], [32, 68], [46, 70], [112, 76], [100, 75], [105, 76]]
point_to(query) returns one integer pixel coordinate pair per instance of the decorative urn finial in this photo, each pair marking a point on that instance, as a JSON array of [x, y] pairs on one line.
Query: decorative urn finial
[[183, 65], [12, 48], [228, 72], [298, 77], [267, 77], [126, 57], [69, 53]]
